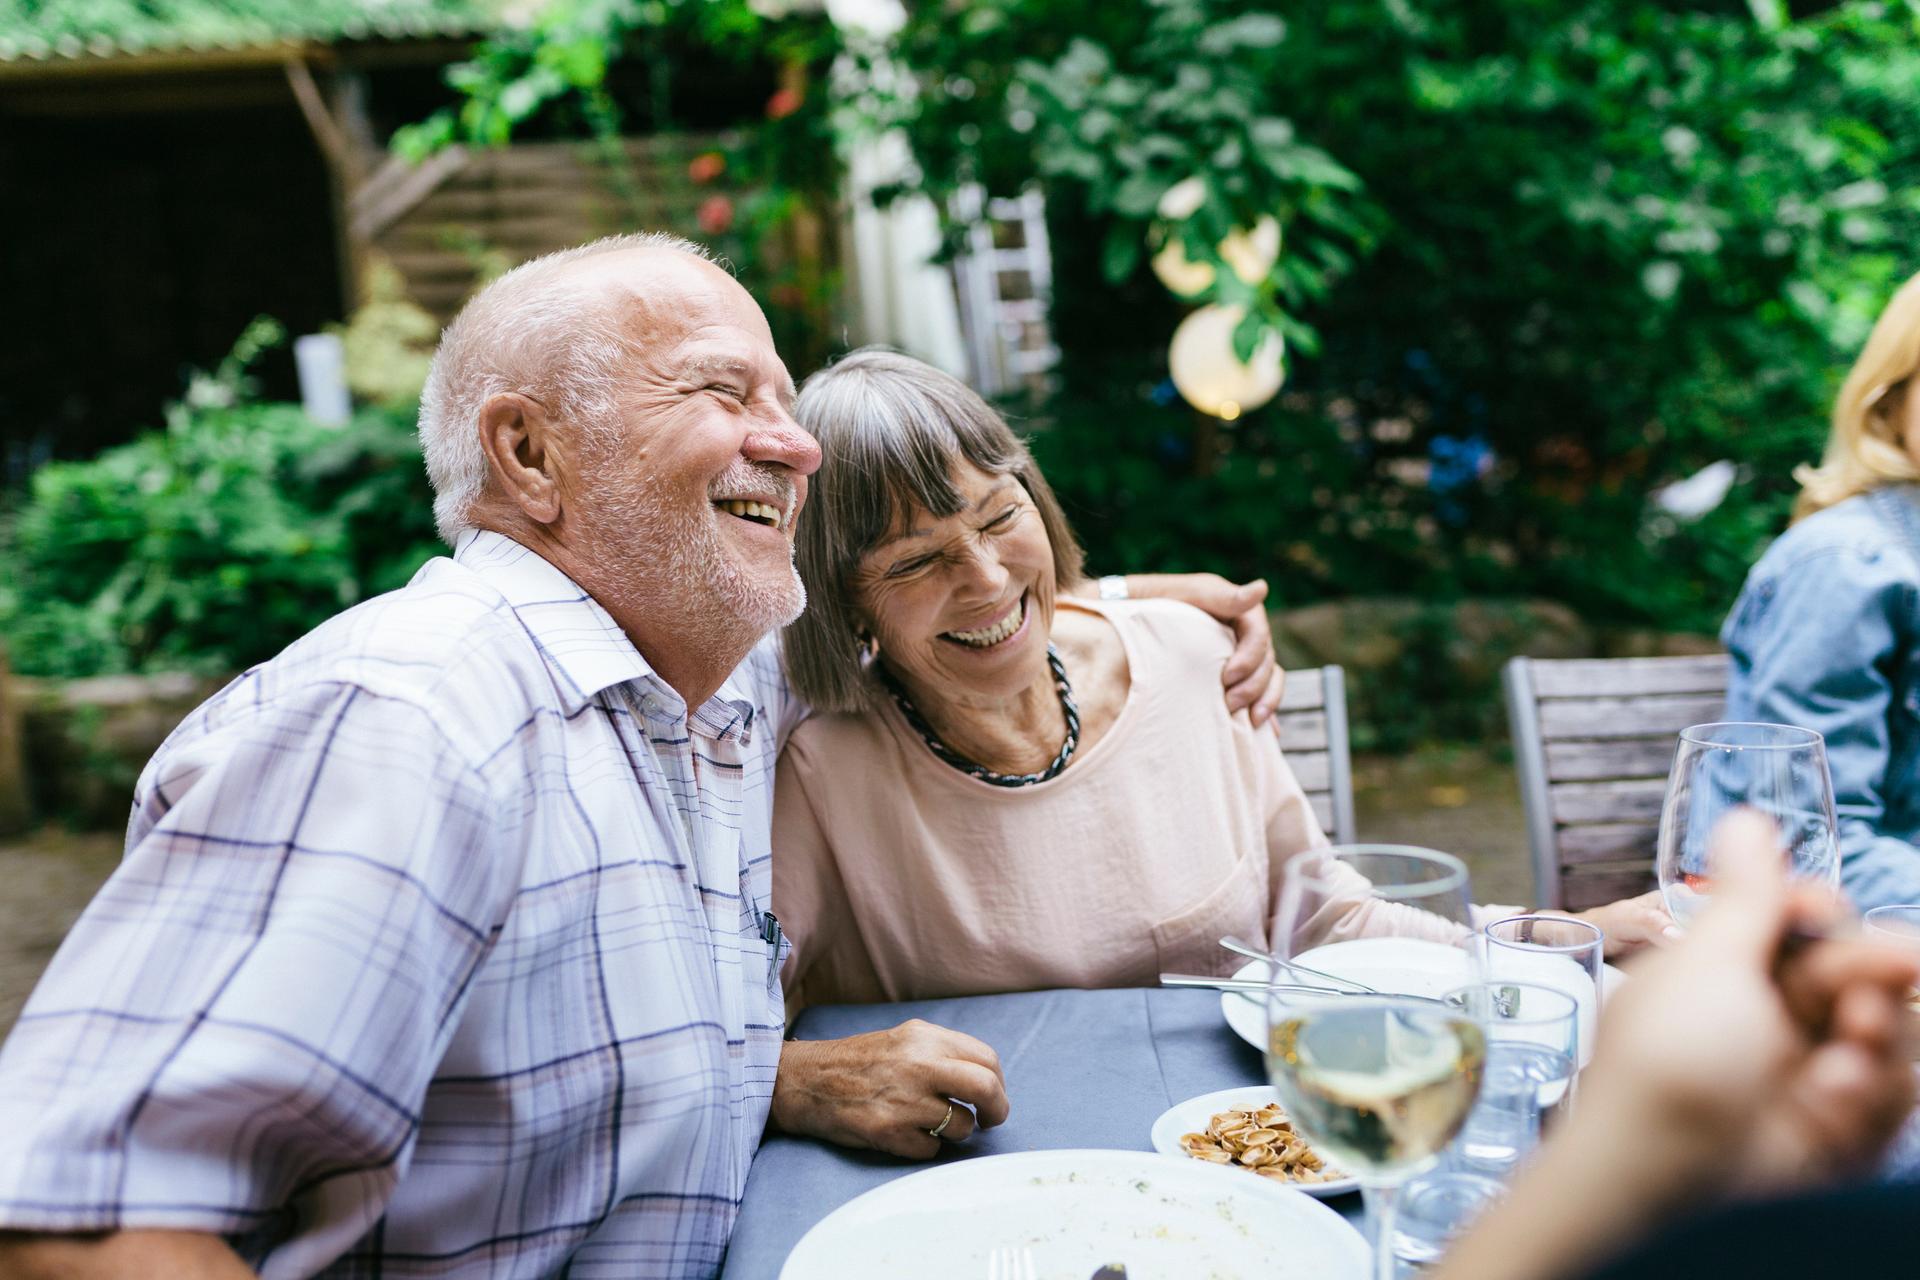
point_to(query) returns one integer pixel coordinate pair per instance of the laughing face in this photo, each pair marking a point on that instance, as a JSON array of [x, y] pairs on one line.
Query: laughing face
[[694, 509], [962, 606]]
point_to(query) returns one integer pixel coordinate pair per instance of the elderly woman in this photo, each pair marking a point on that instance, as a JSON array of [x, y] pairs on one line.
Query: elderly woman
[[1005, 788], [1826, 632]]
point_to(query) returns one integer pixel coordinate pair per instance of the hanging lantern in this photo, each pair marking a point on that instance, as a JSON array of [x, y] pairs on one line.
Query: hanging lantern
[[1251, 254], [1182, 200], [1183, 277], [1210, 376]]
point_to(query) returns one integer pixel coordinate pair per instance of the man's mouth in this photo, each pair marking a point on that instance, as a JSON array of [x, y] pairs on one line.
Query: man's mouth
[[758, 512], [994, 633]]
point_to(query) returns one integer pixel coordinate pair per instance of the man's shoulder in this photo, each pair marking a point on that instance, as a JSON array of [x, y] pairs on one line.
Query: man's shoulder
[[447, 644]]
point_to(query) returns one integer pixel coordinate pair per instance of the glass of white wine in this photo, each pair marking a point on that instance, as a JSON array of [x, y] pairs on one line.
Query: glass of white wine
[[1377, 1070]]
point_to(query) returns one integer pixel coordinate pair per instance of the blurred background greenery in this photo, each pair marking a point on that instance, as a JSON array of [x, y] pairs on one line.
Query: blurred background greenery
[[1541, 259]]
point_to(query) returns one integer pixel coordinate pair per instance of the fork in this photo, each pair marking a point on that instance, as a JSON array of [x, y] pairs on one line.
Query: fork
[[1011, 1264]]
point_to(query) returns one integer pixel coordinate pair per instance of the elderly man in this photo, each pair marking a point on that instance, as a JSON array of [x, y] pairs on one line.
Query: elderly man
[[440, 945]]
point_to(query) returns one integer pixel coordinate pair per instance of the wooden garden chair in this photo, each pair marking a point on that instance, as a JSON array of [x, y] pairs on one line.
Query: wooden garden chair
[[1313, 734], [1592, 742]]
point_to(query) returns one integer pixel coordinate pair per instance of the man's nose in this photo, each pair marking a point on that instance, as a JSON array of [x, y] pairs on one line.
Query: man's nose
[[779, 439]]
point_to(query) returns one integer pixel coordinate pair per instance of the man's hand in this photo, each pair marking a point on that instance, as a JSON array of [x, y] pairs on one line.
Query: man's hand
[[1252, 676], [1739, 1061], [886, 1089], [1770, 1067]]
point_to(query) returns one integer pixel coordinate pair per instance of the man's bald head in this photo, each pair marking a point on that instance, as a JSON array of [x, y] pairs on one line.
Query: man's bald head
[[549, 330]]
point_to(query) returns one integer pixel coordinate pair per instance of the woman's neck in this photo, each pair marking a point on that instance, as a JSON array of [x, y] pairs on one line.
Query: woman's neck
[[1019, 733]]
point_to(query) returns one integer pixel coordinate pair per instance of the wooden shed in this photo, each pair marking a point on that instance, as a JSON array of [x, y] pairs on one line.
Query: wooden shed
[[170, 179]]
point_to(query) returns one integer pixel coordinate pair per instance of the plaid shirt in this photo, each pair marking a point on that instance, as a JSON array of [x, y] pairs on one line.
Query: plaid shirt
[[435, 951]]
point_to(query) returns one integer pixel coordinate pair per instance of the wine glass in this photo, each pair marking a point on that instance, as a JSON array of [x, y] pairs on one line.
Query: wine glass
[[1378, 1080], [1775, 769]]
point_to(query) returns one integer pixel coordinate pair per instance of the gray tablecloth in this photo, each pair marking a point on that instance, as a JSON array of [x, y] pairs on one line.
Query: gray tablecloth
[[1084, 1069]]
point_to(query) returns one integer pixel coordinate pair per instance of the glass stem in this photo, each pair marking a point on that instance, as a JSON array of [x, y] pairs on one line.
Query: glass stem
[[1381, 1199]]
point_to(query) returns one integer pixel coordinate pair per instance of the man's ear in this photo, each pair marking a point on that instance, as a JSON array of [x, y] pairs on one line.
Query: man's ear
[[522, 448]]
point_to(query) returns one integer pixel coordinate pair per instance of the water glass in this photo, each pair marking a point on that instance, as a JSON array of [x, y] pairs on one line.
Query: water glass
[[1552, 951], [1775, 769], [1532, 1045]]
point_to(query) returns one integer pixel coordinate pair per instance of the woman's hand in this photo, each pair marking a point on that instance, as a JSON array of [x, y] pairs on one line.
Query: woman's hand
[[886, 1089], [1632, 923], [1252, 676]]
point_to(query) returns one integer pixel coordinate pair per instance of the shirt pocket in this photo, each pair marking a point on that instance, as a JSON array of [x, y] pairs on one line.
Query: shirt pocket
[[1189, 941]]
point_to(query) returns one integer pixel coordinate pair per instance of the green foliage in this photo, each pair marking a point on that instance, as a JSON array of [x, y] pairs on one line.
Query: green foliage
[[1112, 106], [1610, 243], [215, 542], [782, 170], [1558, 253], [38, 26]]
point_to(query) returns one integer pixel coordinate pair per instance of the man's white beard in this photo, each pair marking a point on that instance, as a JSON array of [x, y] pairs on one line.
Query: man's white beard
[[657, 556]]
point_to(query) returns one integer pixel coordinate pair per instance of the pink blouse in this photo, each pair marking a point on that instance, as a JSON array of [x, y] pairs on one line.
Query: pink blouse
[[901, 878]]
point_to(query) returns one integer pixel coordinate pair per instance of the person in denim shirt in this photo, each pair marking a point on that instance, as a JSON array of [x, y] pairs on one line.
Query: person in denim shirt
[[1826, 632]]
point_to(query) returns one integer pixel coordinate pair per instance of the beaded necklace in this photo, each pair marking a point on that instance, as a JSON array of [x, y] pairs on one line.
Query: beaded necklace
[[980, 771]]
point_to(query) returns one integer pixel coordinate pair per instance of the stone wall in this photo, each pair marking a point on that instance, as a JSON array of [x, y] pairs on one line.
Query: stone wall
[[84, 742], [1419, 670]]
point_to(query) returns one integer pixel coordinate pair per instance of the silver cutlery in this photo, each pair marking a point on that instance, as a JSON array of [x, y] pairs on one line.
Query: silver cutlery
[[1241, 947], [1251, 988]]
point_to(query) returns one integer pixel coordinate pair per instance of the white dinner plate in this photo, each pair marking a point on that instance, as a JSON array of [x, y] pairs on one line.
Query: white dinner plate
[[1163, 1218], [1412, 967], [1192, 1116]]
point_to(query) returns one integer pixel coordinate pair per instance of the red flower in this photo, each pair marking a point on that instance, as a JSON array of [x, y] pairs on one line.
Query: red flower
[[707, 166], [784, 103], [715, 215]]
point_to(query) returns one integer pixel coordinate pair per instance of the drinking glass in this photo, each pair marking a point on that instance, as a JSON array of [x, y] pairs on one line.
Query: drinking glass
[[1533, 1044], [1901, 922], [1555, 952], [1378, 1081], [1776, 769]]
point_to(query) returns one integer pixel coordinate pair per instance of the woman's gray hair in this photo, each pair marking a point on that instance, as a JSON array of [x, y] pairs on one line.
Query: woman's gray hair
[[891, 431], [561, 346]]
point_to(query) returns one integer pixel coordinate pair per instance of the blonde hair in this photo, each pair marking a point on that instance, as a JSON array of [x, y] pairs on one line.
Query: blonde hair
[[1867, 448]]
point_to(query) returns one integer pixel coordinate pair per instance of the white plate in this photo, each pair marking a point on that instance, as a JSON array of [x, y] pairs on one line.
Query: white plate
[[1406, 965], [1192, 1116], [1164, 1218]]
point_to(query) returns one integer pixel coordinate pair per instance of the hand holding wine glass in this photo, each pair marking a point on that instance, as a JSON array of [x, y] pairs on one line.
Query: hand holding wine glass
[[1746, 1059]]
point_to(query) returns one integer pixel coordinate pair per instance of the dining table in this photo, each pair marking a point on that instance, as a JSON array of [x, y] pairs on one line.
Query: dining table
[[1083, 1069]]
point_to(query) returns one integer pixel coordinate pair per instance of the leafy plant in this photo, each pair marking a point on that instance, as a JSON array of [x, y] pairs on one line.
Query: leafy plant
[[216, 541]]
